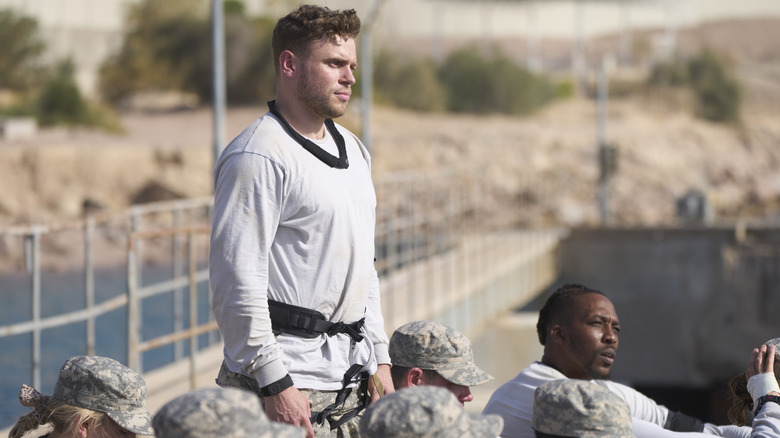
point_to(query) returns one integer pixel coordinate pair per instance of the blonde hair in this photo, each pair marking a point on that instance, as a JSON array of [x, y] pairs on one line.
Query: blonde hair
[[63, 417]]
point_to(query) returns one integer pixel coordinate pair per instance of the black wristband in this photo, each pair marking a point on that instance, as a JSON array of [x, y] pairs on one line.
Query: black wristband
[[277, 387], [766, 398]]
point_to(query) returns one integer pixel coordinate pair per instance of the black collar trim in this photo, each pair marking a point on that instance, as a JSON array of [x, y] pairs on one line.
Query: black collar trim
[[340, 162]]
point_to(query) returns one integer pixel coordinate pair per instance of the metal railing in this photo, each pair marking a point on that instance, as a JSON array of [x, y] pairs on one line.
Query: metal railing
[[133, 225], [434, 247]]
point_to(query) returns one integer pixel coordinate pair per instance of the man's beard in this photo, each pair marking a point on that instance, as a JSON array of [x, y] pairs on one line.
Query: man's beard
[[318, 100], [593, 371]]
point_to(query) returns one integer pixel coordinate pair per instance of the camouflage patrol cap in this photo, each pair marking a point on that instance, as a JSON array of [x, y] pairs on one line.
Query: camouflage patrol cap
[[580, 408], [429, 345], [218, 412], [425, 411], [105, 385]]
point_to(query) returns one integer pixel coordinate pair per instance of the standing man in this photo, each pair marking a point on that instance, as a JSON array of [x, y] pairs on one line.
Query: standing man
[[295, 292], [427, 353], [579, 328]]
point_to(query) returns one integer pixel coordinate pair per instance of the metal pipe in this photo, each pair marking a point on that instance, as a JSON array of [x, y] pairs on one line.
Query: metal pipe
[[193, 307], [218, 72], [89, 284], [36, 307], [133, 308], [178, 295]]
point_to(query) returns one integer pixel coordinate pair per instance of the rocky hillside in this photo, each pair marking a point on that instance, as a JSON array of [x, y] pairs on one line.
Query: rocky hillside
[[537, 170]]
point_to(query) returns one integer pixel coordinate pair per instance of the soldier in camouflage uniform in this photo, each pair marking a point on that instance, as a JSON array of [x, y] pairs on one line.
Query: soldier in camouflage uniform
[[425, 411], [93, 396], [579, 408], [217, 413], [430, 353]]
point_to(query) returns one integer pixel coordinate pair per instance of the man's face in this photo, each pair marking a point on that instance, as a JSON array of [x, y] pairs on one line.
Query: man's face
[[462, 393], [590, 338], [328, 76]]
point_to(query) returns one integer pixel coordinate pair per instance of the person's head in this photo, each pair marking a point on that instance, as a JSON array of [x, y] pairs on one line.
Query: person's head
[[94, 397], [217, 413], [579, 327], [315, 57], [741, 401], [579, 408], [425, 411], [430, 353]]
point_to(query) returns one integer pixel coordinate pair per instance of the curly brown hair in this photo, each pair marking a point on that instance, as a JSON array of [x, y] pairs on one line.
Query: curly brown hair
[[298, 29]]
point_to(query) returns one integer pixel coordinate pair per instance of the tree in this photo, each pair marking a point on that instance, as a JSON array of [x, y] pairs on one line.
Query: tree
[[20, 50]]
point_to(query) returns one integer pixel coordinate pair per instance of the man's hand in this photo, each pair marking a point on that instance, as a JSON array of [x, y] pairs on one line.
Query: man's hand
[[383, 373], [292, 407]]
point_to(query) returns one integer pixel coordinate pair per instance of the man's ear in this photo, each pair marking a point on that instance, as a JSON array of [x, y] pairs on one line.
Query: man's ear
[[414, 377], [557, 333], [287, 63]]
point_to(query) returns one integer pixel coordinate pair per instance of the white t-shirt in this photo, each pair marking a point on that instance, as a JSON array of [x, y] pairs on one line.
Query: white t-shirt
[[289, 227], [514, 401]]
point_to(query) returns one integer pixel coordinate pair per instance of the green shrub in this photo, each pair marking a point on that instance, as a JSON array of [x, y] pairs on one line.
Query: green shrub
[[407, 83], [168, 47], [564, 89], [22, 47], [60, 103], [718, 94], [480, 84]]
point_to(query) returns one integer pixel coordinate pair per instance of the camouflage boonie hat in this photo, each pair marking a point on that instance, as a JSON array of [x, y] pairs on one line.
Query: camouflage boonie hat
[[776, 343], [580, 408], [425, 411], [105, 385], [217, 413], [429, 345]]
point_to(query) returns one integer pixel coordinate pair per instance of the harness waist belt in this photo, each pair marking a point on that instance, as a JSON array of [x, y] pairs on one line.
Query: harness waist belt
[[309, 323]]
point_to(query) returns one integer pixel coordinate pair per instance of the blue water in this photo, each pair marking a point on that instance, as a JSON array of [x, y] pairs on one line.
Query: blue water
[[64, 292]]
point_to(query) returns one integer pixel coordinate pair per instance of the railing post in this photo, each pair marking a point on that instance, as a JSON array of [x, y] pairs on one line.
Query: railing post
[[193, 308], [33, 262], [178, 271], [133, 311], [89, 283]]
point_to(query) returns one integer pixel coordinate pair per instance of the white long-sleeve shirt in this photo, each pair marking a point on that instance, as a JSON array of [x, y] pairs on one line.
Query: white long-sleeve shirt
[[767, 422], [514, 401], [288, 227]]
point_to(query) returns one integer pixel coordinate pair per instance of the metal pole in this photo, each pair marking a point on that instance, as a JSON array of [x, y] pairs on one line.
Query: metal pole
[[178, 295], [193, 308], [367, 73], [133, 309], [578, 59], [34, 264], [625, 34], [366, 87], [601, 123], [218, 71], [534, 59], [89, 284]]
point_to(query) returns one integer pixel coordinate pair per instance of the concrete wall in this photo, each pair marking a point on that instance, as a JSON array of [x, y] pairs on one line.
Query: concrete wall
[[692, 302]]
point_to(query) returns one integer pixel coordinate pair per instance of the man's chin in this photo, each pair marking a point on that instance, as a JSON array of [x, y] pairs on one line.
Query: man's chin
[[600, 374]]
